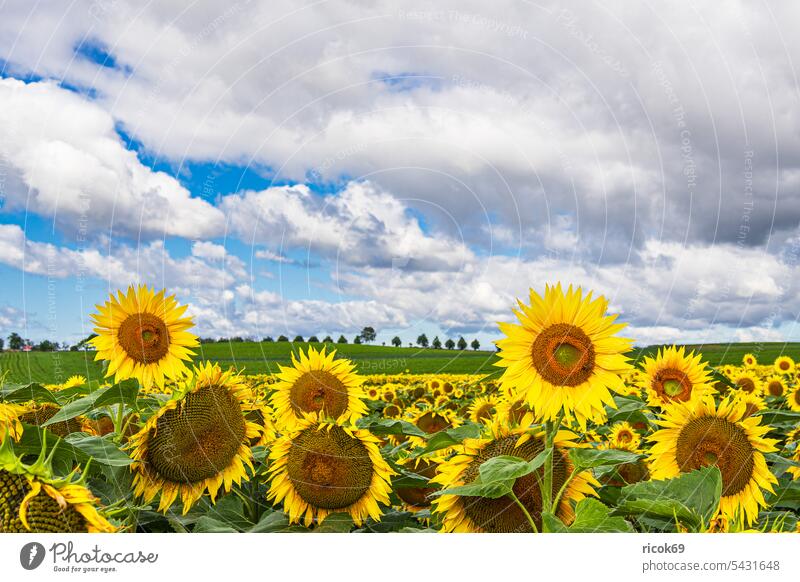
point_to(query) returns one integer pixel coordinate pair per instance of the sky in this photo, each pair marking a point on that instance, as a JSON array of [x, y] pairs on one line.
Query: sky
[[292, 167]]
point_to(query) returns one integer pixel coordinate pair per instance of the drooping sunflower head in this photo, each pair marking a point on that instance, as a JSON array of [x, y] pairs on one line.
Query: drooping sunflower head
[[697, 434], [749, 360], [32, 500], [319, 468], [775, 385], [392, 411], [503, 515], [753, 402], [784, 365], [9, 421], [563, 354], [318, 383], [623, 436], [674, 375], [142, 335], [748, 381], [198, 441]]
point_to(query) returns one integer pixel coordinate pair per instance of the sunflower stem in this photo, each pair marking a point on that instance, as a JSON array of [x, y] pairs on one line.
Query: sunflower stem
[[551, 429], [525, 511], [564, 488], [118, 419]]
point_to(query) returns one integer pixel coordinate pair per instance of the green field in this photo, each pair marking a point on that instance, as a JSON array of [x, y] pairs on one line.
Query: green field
[[261, 358]]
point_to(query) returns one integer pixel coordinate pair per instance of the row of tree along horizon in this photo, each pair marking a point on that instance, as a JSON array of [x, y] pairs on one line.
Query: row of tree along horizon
[[367, 336]]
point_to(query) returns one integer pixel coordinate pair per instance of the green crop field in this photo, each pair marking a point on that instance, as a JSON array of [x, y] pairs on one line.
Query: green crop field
[[262, 358]]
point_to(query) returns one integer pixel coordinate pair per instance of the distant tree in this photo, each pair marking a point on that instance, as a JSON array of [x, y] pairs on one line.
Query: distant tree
[[341, 340], [45, 346], [268, 339], [475, 344], [2, 343], [237, 339], [84, 343], [396, 341], [410, 345], [15, 341], [313, 339], [422, 341], [462, 343], [328, 339], [368, 335], [283, 338], [357, 340], [437, 343], [449, 344], [297, 338]]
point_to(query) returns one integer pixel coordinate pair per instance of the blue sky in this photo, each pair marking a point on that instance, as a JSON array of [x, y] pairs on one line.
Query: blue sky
[[288, 169]]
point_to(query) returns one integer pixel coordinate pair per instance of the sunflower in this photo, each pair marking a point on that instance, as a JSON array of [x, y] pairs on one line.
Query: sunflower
[[32, 500], [74, 381], [748, 381], [483, 409], [392, 411], [624, 437], [674, 375], [373, 394], [261, 415], [775, 385], [697, 434], [793, 398], [749, 360], [753, 402], [37, 414], [200, 439], [514, 412], [143, 335], [564, 355], [319, 468], [479, 514], [795, 471], [784, 365], [793, 435], [9, 421], [318, 383], [417, 498]]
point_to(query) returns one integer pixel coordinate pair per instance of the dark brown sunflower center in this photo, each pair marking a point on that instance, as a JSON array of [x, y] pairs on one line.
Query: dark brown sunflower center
[[563, 355], [484, 412], [418, 392], [198, 439], [784, 365], [41, 414], [44, 513], [329, 469], [319, 390], [672, 384], [144, 337], [715, 441], [746, 384], [775, 388], [797, 396], [418, 496], [624, 436], [432, 422], [503, 514], [391, 411]]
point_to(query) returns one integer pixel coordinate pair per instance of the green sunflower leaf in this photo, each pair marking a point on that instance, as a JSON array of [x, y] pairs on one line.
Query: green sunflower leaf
[[692, 499], [449, 437], [591, 516], [123, 393], [386, 426], [592, 458], [27, 392]]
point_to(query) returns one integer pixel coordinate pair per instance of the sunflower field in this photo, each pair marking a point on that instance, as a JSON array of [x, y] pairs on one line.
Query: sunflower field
[[569, 435]]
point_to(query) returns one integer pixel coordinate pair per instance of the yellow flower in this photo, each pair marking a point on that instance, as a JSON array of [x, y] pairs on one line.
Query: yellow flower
[[563, 356], [749, 360], [624, 437], [793, 398], [74, 381], [319, 468], [784, 365], [697, 434], [674, 375], [32, 500], [776, 385], [318, 383], [477, 514], [9, 421], [199, 440], [143, 335], [483, 409]]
